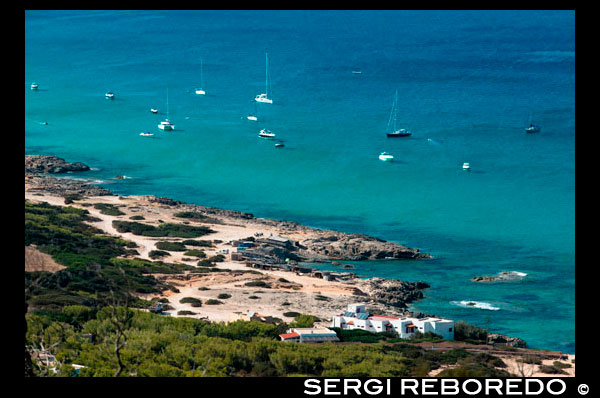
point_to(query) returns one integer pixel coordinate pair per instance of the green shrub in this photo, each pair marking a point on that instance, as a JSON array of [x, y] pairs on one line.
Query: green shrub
[[303, 321], [163, 230], [202, 243], [170, 246], [213, 302], [551, 369], [254, 297], [217, 259], [257, 283], [464, 331], [195, 253], [154, 254], [137, 217], [194, 302], [108, 209], [186, 312], [224, 296]]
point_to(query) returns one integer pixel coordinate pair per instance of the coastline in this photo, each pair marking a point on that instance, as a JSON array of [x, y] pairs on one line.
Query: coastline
[[287, 292]]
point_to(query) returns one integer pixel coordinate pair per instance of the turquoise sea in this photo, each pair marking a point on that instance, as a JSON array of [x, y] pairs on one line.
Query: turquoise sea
[[467, 83]]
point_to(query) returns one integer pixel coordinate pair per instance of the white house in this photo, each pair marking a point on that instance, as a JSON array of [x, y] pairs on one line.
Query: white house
[[356, 317]]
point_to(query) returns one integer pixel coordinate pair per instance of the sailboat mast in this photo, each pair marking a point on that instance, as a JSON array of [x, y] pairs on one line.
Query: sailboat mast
[[267, 74], [395, 109], [167, 103]]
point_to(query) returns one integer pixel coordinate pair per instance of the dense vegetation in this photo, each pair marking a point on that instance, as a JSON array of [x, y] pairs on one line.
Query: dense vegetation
[[85, 314], [163, 229], [166, 346]]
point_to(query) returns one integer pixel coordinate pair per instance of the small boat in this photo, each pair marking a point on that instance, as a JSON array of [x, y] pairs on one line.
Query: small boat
[[200, 91], [147, 134], [264, 133], [109, 95], [252, 117], [533, 128], [166, 125], [34, 86], [356, 72], [264, 98], [154, 110], [393, 116], [386, 157], [466, 166], [279, 145]]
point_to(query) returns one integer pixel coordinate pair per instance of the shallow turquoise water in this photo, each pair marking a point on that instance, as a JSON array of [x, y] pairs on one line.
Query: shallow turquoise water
[[466, 80]]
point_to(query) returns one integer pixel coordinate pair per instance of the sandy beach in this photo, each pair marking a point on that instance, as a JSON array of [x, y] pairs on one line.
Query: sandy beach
[[289, 292]]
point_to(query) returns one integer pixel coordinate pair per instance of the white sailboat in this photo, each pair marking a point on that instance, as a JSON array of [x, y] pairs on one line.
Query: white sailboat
[[264, 98], [166, 125], [200, 91], [533, 128], [394, 131], [34, 86]]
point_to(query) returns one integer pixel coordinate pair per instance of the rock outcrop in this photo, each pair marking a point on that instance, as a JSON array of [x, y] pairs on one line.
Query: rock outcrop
[[500, 339], [333, 245], [51, 164], [394, 292]]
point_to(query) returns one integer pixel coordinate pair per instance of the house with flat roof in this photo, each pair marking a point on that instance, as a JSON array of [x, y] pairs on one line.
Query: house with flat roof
[[309, 335], [356, 317]]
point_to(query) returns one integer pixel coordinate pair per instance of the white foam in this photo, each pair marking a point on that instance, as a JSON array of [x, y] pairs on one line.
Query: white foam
[[475, 304]]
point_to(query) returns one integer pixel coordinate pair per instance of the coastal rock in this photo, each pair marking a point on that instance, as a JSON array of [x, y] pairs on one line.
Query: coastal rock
[[62, 186], [500, 339], [394, 292], [51, 164], [342, 246], [504, 276]]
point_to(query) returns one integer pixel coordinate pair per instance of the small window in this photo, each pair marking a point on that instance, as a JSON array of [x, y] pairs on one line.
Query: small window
[[450, 329]]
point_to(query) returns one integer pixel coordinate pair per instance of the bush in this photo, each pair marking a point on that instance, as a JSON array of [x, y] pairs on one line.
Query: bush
[[186, 312], [303, 321], [163, 230], [71, 197], [464, 331], [219, 258], [203, 288], [283, 280], [137, 217], [195, 253], [224, 296], [258, 283], [108, 209], [154, 254], [291, 314], [194, 302], [551, 369], [213, 302], [254, 297], [202, 243], [170, 246]]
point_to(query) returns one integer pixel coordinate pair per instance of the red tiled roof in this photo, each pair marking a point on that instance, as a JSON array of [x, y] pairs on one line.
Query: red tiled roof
[[289, 335]]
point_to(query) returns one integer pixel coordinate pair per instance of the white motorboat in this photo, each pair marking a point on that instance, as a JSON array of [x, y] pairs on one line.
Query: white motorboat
[[147, 134], [34, 86], [264, 98], [109, 95], [466, 166], [264, 133], [252, 117], [154, 110], [386, 157]]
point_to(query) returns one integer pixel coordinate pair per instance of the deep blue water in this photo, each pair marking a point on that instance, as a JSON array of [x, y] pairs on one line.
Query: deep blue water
[[467, 82]]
